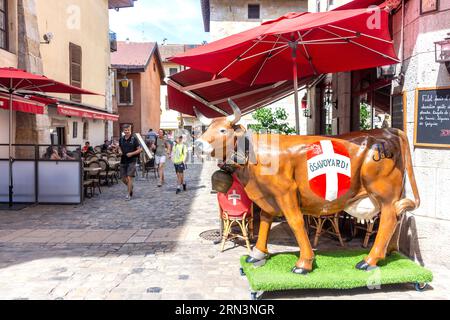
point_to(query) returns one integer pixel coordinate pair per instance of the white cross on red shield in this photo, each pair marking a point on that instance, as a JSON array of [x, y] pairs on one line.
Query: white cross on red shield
[[329, 169]]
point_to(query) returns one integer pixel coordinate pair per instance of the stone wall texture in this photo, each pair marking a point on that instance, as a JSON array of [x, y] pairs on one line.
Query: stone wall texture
[[431, 227]]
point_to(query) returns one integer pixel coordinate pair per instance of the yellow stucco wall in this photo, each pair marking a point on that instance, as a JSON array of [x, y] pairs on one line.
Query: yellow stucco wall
[[84, 23]]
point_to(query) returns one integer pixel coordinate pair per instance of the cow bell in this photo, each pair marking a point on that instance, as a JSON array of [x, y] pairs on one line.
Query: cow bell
[[221, 181]]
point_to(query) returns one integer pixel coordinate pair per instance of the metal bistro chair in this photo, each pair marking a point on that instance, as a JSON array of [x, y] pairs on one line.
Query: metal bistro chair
[[88, 186], [236, 208], [107, 175], [95, 177]]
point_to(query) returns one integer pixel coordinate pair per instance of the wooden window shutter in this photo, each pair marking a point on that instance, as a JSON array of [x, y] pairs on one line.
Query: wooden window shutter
[[75, 57]]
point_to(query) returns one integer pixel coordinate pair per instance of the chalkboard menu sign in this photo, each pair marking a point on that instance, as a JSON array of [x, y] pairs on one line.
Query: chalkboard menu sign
[[398, 112], [432, 126]]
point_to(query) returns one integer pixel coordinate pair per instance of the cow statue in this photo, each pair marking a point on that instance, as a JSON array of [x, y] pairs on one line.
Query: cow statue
[[361, 173]]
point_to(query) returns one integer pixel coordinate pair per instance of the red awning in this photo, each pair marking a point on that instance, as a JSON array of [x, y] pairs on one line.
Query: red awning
[[196, 88], [84, 113], [22, 104]]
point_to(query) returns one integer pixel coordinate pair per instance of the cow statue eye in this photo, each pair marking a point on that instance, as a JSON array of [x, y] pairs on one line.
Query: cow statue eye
[[223, 131]]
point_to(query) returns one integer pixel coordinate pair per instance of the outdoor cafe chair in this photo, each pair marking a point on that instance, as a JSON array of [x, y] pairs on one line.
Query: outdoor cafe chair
[[106, 174], [236, 208], [88, 187], [149, 165], [95, 176], [325, 225]]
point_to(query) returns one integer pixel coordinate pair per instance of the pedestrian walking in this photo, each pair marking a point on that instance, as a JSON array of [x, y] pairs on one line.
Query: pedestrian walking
[[179, 156], [129, 149], [162, 149]]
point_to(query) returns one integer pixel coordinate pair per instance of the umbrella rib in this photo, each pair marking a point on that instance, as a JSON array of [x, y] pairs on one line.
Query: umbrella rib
[[37, 87], [279, 52], [258, 54], [15, 88], [239, 58], [363, 34], [307, 53], [263, 64], [196, 97], [249, 93], [363, 46], [317, 41]]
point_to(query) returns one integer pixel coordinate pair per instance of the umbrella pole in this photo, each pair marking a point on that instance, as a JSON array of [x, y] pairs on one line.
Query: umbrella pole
[[293, 46], [10, 147]]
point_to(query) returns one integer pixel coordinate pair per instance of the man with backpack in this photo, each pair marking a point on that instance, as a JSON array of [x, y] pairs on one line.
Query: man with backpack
[[179, 156], [130, 149]]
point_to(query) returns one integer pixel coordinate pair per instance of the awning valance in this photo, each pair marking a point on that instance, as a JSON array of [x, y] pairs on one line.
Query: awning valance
[[22, 104], [84, 113]]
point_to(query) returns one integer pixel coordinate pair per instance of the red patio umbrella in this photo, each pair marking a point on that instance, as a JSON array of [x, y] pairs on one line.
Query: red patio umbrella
[[15, 80], [311, 43]]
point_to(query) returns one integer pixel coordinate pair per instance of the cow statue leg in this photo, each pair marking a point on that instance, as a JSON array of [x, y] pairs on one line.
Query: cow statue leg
[[260, 251], [289, 204]]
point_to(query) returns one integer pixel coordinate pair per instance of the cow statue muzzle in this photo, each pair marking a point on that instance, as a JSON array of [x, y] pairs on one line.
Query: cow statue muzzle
[[204, 147]]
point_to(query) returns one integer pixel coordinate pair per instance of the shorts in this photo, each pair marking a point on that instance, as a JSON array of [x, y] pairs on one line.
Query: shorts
[[180, 168], [128, 169], [160, 160]]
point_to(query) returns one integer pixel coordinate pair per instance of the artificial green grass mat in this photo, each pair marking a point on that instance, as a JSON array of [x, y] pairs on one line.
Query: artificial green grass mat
[[333, 270]]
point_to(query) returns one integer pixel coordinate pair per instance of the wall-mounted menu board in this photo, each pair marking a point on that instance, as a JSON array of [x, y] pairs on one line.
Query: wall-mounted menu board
[[432, 123]]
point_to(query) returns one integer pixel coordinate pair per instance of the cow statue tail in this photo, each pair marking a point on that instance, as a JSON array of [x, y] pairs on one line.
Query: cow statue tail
[[407, 204]]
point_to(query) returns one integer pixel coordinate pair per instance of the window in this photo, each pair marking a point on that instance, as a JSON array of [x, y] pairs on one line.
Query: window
[[4, 24], [172, 71], [125, 92], [86, 130], [75, 130], [75, 57], [254, 11]]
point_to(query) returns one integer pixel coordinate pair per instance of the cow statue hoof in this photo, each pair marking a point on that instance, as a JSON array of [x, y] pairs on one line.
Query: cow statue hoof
[[364, 266], [301, 271], [257, 258]]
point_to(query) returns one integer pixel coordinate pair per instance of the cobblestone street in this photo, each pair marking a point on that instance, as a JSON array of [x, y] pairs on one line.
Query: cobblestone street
[[148, 248]]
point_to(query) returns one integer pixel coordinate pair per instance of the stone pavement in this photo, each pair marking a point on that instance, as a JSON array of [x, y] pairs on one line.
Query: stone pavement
[[148, 248]]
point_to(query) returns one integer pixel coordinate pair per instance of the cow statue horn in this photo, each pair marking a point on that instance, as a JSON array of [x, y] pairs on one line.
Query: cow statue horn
[[203, 119], [236, 117]]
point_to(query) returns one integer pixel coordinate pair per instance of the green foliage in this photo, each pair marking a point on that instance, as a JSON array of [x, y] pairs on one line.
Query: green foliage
[[271, 121], [365, 117]]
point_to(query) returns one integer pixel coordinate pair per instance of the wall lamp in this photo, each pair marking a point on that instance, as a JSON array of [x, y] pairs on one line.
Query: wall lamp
[[442, 52]]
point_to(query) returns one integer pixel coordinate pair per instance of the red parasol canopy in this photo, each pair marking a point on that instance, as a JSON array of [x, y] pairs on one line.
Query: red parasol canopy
[[20, 80], [324, 42]]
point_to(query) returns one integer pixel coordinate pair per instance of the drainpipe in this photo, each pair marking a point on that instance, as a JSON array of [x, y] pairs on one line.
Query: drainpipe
[[402, 41]]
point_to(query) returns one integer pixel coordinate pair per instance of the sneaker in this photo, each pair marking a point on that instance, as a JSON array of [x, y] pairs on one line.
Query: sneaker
[[128, 198], [178, 191], [185, 187], [159, 185]]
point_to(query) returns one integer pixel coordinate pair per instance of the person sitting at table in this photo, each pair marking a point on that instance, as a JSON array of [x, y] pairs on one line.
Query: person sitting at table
[[52, 154], [105, 146], [87, 148], [64, 154]]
